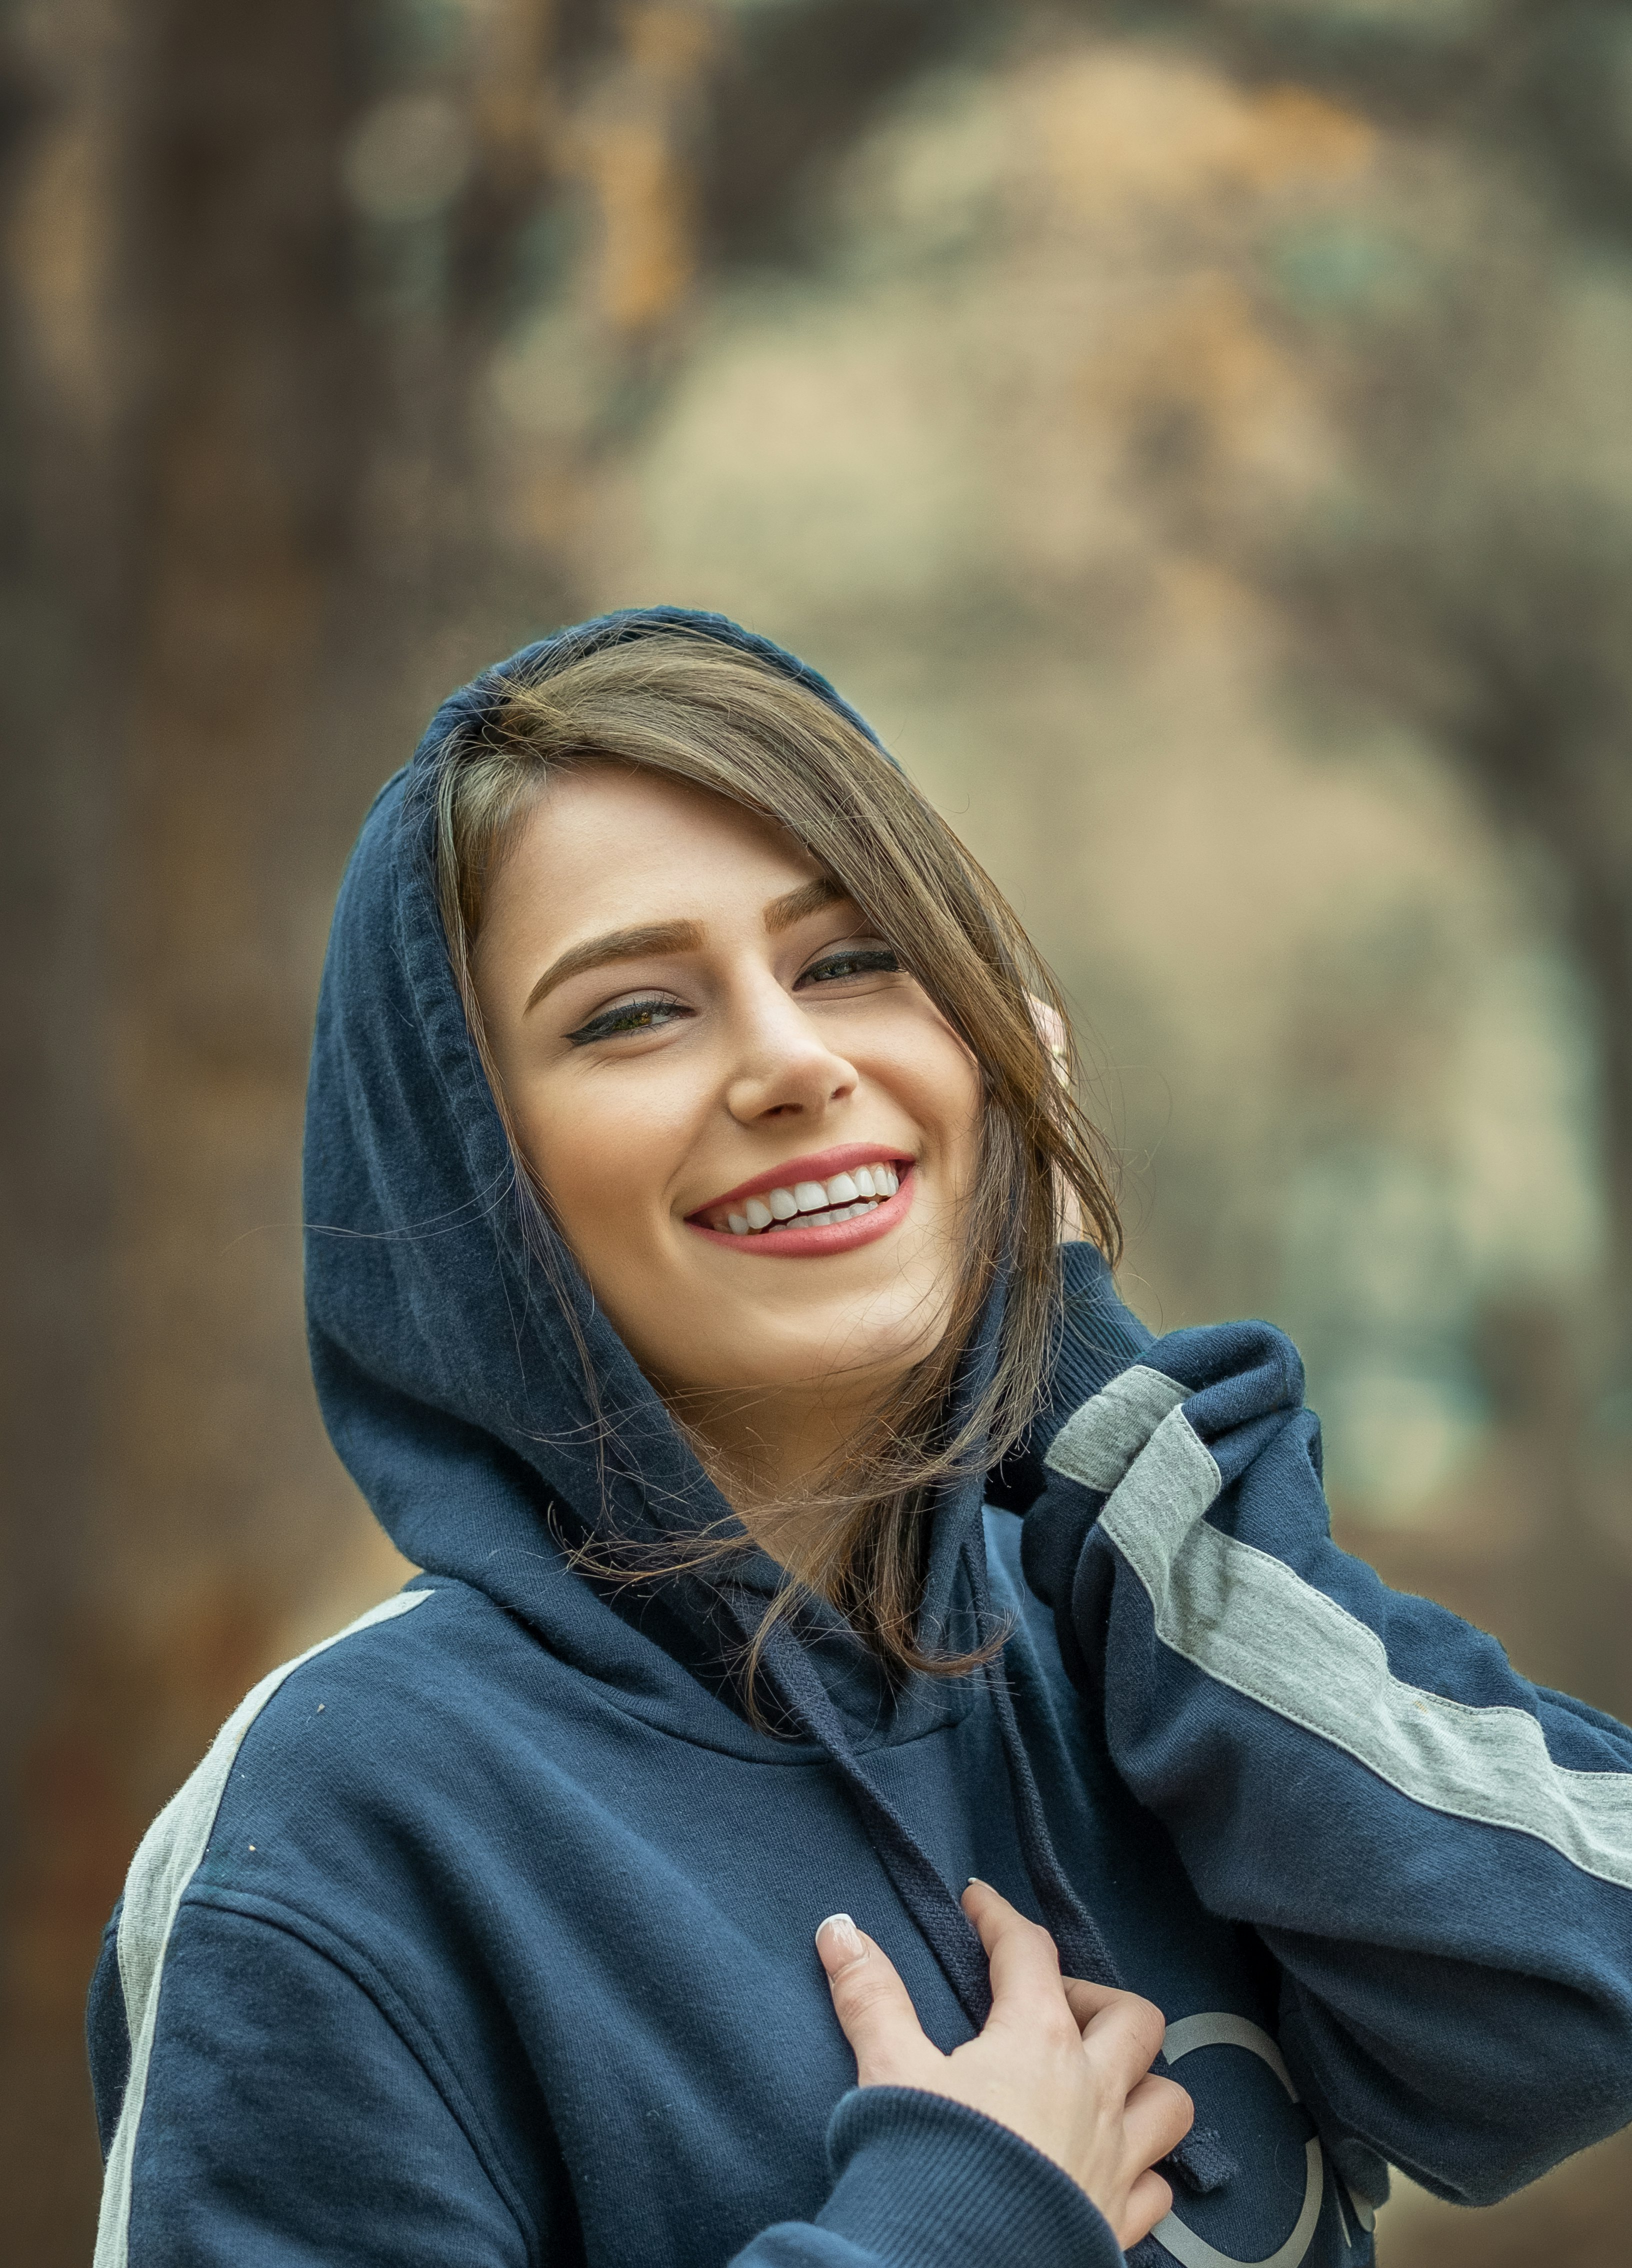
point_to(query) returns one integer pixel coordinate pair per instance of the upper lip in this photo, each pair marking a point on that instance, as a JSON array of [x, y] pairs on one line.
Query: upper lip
[[820, 1166]]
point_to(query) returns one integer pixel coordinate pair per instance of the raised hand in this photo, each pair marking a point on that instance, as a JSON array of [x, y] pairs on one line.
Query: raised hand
[[1050, 1029], [1063, 2064]]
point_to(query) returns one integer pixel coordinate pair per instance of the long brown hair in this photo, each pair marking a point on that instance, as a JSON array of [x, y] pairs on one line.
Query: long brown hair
[[686, 705]]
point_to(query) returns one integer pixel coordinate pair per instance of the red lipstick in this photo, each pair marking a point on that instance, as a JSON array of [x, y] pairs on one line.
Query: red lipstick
[[796, 1244], [815, 1165]]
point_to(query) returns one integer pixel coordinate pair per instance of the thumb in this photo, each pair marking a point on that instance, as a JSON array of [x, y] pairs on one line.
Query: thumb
[[874, 2008]]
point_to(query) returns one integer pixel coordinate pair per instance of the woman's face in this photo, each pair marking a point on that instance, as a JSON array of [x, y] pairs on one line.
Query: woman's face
[[699, 1036]]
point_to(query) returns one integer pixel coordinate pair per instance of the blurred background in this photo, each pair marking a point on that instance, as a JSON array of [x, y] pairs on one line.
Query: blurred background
[[1200, 436]]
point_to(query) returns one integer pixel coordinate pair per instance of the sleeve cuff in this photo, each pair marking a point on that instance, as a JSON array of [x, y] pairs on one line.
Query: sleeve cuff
[[921, 2182], [1099, 1338]]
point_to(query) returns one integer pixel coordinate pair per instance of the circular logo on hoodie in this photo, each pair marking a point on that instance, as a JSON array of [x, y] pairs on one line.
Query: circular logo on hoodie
[[1219, 2030]]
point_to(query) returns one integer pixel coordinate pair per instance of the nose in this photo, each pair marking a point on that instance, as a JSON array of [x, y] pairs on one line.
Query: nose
[[784, 1069]]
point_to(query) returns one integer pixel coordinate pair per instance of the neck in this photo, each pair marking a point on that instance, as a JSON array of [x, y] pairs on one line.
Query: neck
[[766, 1450]]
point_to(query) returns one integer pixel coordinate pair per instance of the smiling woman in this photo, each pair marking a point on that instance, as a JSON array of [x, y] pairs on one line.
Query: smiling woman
[[683, 1000], [806, 1530]]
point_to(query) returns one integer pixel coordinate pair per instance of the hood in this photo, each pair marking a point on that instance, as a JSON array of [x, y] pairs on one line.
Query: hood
[[449, 1363]]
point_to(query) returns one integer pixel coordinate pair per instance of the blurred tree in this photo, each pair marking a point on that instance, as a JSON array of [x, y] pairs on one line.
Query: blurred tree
[[61, 490], [1469, 573], [235, 474], [1483, 590]]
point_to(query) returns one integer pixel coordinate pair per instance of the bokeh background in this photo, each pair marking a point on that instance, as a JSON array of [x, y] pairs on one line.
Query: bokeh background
[[1200, 436]]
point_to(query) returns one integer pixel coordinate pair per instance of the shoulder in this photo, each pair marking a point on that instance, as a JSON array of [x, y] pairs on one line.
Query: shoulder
[[393, 1715], [427, 1654], [318, 1750], [433, 1650]]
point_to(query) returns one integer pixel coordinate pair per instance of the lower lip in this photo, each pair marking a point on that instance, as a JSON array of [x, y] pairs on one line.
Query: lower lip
[[817, 1243]]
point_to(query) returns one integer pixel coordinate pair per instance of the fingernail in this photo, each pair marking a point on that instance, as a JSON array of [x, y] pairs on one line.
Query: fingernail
[[975, 1883], [838, 1942]]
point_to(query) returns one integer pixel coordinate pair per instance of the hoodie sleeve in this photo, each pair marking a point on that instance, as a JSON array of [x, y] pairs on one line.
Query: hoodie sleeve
[[921, 2182], [1098, 1337], [1438, 1854], [273, 2115], [269, 2115]]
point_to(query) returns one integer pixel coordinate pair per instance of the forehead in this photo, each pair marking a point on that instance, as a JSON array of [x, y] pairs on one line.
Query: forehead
[[609, 846]]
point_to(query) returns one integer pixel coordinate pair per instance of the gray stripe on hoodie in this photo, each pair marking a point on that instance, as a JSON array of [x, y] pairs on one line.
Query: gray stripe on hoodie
[[167, 1857], [1251, 1622]]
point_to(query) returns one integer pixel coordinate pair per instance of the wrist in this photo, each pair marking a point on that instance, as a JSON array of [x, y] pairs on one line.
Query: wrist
[[921, 2181]]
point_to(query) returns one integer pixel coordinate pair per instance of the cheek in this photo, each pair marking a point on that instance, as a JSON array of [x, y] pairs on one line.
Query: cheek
[[601, 1157], [604, 1153], [937, 1082]]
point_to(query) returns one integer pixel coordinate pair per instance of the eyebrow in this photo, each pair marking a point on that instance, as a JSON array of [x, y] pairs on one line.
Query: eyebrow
[[810, 898], [617, 944], [678, 936]]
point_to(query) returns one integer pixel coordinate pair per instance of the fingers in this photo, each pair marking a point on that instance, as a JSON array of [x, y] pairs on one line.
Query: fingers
[[1020, 1955], [1124, 2035], [1142, 2020], [1149, 2201], [874, 2008], [1086, 2001], [1050, 1029], [1121, 2031], [1157, 2117]]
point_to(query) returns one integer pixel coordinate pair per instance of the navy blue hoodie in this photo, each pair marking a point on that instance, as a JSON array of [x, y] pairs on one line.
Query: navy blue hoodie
[[483, 1933]]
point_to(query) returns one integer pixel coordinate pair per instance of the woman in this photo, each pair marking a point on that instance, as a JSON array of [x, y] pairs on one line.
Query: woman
[[685, 1171]]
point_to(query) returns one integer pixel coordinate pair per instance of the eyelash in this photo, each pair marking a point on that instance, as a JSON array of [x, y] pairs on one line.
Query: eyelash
[[865, 960], [641, 1015], [616, 1023]]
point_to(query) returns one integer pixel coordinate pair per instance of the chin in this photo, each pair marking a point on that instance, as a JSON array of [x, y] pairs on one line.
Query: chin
[[843, 1354]]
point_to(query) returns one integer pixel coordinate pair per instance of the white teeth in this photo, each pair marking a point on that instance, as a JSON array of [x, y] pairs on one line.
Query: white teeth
[[825, 1219], [815, 1204]]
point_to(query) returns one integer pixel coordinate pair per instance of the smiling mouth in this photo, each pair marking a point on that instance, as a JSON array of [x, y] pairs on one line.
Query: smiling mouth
[[806, 1204]]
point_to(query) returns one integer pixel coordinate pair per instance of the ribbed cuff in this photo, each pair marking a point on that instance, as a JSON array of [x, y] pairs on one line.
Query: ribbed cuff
[[921, 2182], [1101, 1338]]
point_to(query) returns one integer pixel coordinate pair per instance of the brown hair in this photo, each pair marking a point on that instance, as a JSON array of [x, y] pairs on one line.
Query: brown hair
[[700, 709]]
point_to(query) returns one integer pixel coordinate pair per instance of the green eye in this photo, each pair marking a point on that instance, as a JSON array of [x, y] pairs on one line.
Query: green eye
[[628, 1016]]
